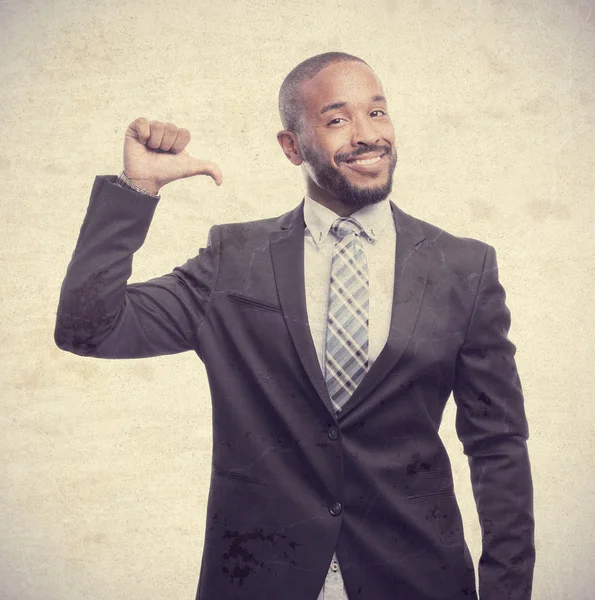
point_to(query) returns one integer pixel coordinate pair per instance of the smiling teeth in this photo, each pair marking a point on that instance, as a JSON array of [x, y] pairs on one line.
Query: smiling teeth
[[366, 161]]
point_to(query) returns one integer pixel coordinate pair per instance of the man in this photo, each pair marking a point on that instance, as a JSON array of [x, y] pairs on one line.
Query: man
[[332, 337]]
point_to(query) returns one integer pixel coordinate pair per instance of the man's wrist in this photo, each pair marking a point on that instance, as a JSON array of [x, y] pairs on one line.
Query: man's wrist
[[147, 188]]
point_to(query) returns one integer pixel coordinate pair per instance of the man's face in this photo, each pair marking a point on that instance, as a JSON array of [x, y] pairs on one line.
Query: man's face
[[347, 138]]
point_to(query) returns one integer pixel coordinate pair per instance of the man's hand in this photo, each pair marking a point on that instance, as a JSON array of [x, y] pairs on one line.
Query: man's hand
[[154, 154]]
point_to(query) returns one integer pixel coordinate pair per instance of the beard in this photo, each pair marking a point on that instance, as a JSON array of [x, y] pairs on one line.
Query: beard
[[332, 180]]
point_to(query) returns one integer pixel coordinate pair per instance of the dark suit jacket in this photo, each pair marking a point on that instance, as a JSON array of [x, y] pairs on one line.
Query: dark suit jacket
[[291, 481]]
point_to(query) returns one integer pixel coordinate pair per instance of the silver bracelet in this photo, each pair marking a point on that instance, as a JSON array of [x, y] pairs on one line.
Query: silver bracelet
[[122, 177]]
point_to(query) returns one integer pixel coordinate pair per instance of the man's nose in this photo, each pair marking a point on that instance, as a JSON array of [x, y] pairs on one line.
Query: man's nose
[[364, 132]]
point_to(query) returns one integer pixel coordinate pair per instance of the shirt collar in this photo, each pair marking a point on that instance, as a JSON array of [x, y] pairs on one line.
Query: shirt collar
[[374, 219]]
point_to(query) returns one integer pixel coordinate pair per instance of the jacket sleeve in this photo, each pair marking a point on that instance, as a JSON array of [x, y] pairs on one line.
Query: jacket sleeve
[[100, 315], [493, 429]]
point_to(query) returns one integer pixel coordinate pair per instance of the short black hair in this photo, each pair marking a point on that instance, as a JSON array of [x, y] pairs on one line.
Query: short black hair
[[289, 100]]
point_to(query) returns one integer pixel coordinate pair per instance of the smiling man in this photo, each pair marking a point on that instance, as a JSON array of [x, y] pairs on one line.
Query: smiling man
[[332, 337]]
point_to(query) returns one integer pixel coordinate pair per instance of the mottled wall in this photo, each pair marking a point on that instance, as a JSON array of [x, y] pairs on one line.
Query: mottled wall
[[105, 464]]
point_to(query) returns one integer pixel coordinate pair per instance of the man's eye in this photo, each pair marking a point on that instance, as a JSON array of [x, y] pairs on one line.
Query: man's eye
[[378, 112], [335, 121]]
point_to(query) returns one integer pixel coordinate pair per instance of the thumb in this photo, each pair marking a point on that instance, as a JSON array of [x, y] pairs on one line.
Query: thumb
[[204, 167]]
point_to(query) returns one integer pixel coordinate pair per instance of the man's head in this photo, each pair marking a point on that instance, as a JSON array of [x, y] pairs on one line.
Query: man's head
[[336, 125]]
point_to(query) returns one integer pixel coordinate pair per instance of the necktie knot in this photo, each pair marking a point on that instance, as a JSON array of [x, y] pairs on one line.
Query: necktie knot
[[344, 226]]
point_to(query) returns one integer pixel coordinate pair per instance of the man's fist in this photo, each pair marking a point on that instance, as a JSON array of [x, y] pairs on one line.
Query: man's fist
[[154, 154]]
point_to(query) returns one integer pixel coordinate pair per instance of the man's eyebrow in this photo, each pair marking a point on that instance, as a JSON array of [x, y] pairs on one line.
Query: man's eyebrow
[[332, 106], [335, 105]]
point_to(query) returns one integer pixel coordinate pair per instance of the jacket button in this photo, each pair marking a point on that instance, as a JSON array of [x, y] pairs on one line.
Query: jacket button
[[335, 508], [333, 432]]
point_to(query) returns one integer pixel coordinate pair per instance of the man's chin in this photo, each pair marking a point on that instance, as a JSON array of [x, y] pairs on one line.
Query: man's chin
[[373, 187], [363, 196]]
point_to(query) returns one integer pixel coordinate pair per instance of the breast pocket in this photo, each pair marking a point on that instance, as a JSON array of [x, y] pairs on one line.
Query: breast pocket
[[252, 335], [250, 302]]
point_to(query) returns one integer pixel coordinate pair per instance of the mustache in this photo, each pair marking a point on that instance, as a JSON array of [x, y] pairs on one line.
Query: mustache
[[362, 150]]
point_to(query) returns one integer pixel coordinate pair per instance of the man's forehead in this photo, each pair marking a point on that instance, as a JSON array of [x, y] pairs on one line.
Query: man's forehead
[[344, 82]]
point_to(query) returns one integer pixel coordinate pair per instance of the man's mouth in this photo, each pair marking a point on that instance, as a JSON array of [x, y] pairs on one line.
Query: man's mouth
[[368, 162]]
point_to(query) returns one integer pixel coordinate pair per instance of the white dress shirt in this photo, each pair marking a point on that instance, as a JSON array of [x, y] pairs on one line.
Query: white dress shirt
[[379, 245]]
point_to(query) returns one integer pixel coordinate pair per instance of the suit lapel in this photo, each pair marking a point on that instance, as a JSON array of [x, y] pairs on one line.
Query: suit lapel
[[287, 253], [412, 261]]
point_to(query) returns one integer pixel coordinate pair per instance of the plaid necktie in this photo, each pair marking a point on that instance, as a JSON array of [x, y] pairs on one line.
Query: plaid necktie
[[346, 345]]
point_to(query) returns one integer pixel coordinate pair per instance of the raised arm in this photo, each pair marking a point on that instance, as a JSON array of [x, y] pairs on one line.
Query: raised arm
[[98, 313], [492, 426]]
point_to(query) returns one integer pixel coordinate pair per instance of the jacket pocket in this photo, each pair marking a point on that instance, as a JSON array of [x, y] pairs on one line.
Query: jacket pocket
[[238, 476], [253, 302], [435, 473], [446, 493]]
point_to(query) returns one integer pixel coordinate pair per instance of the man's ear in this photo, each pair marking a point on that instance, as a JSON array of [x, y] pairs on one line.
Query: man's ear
[[290, 146]]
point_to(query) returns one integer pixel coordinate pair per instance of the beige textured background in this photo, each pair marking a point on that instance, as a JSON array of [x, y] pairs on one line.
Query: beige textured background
[[105, 464]]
